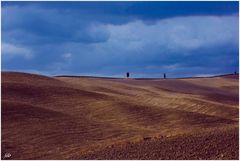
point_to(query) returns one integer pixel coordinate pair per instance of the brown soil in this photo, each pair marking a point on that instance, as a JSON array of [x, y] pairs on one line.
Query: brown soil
[[97, 118], [198, 146]]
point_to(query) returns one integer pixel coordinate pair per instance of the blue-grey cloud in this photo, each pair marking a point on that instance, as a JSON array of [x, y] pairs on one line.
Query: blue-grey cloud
[[80, 39]]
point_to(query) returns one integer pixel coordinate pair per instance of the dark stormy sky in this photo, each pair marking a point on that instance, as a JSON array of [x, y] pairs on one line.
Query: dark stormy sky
[[110, 38]]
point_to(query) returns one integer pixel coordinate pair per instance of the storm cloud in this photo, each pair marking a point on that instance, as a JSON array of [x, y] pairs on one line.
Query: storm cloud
[[110, 39]]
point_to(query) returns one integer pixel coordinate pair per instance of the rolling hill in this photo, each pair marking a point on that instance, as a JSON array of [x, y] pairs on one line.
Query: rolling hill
[[97, 118]]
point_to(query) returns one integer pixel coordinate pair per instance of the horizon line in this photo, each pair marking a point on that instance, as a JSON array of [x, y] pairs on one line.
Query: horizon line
[[112, 77]]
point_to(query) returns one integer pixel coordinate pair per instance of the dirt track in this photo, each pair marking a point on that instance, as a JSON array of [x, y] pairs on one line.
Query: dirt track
[[97, 118]]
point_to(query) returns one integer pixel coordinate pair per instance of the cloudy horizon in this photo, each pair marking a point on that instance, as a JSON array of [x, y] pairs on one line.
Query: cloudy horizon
[[146, 39]]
